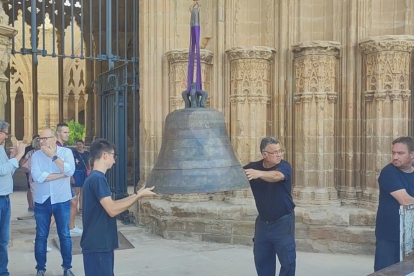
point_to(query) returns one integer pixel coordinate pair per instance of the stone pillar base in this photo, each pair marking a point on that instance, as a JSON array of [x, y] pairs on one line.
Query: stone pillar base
[[311, 196]]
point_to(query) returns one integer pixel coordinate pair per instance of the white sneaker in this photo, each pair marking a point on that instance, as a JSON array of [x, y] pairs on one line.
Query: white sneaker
[[76, 231]]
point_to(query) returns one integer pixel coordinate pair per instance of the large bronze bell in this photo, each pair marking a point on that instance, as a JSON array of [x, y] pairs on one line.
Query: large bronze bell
[[196, 155]]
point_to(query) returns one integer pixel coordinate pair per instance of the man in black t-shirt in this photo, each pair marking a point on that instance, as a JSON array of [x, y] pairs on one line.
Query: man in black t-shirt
[[99, 237], [270, 180], [396, 183]]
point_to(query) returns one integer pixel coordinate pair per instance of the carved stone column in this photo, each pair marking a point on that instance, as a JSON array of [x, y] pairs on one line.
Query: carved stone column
[[315, 95], [77, 97], [178, 62], [28, 130], [65, 108], [387, 92], [6, 34], [250, 90]]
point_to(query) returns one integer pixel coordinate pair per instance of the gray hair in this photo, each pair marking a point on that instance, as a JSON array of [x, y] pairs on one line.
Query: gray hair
[[3, 124], [36, 144], [266, 141]]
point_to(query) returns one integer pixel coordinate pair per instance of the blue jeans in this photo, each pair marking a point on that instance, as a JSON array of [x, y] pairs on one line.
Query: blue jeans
[[43, 214], [275, 238], [99, 263], [386, 253], [4, 233]]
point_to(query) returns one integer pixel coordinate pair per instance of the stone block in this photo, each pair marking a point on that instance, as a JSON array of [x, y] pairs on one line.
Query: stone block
[[320, 246], [357, 235], [216, 238], [316, 217], [351, 248], [229, 212], [195, 226], [174, 225], [322, 233], [362, 218], [183, 236], [243, 240], [208, 210], [218, 227], [184, 210], [243, 228], [301, 230], [338, 217], [304, 245]]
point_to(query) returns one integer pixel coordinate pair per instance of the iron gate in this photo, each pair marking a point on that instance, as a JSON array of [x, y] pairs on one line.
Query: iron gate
[[109, 38], [119, 95]]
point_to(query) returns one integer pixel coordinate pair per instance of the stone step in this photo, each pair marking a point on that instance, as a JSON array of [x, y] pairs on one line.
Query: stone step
[[335, 239]]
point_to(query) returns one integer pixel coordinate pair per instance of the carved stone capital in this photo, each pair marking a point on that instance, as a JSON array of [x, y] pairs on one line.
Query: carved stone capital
[[398, 43], [252, 52], [332, 97], [380, 96], [181, 55], [369, 96], [320, 97], [331, 48]]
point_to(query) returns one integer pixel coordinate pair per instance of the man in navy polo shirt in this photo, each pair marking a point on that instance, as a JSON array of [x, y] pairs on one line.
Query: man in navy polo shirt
[[396, 183], [100, 235], [270, 180]]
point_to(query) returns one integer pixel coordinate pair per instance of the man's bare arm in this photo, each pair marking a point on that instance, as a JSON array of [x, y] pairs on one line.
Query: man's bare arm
[[54, 176], [116, 207], [268, 176], [403, 197]]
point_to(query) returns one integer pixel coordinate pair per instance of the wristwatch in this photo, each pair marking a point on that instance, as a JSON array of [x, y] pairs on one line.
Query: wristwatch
[[54, 158]]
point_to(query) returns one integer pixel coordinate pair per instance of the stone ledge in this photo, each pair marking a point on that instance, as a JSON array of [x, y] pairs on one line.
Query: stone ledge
[[331, 229]]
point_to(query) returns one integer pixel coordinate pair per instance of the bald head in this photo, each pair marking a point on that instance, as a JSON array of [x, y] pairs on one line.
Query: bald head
[[48, 137]]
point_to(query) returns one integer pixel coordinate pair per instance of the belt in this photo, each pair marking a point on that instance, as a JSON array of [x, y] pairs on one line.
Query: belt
[[4, 196], [279, 219]]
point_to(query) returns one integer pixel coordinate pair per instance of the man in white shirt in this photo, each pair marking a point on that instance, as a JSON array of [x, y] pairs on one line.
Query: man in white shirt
[[7, 169], [52, 167]]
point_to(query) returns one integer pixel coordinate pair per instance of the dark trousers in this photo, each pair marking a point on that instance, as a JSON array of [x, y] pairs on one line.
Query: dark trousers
[[99, 263], [275, 238], [386, 253]]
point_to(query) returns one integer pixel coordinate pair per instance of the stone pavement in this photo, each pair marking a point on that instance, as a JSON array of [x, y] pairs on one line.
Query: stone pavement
[[155, 256]]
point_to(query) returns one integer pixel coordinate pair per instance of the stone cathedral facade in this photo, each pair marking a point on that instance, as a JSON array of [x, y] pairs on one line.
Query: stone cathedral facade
[[332, 79]]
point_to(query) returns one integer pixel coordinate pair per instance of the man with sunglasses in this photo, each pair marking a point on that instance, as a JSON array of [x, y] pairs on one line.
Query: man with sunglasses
[[7, 169], [270, 180], [51, 168]]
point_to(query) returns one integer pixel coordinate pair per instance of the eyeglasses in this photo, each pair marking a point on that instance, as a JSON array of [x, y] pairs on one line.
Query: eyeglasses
[[7, 134], [115, 155], [39, 139], [276, 152]]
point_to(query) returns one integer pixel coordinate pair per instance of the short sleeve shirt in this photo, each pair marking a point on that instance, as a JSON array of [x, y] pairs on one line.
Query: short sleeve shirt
[[100, 232], [273, 199], [390, 180]]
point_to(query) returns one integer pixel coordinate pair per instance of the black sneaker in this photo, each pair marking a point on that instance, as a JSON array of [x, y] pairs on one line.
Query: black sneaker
[[68, 272]]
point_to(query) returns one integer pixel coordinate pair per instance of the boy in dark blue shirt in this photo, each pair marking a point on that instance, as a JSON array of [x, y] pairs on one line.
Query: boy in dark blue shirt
[[99, 237], [270, 180], [396, 183]]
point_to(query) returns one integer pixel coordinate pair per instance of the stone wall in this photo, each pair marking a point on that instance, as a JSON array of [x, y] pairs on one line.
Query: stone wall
[[311, 86]]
